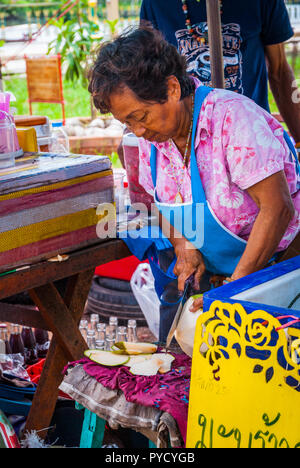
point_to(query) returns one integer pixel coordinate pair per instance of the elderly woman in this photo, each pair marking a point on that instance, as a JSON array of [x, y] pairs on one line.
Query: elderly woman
[[202, 147]]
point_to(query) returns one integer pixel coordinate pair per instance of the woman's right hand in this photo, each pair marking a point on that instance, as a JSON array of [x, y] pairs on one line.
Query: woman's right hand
[[189, 261]]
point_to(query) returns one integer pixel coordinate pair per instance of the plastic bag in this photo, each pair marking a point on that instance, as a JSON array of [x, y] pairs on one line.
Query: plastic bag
[[13, 364], [142, 284]]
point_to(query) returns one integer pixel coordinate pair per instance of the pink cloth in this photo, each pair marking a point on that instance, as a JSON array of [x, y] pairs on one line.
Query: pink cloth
[[168, 392], [238, 144]]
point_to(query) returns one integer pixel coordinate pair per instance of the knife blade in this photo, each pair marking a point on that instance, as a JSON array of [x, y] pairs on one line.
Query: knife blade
[[172, 330]]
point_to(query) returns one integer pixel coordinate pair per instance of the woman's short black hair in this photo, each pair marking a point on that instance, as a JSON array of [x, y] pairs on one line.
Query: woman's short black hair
[[142, 60]]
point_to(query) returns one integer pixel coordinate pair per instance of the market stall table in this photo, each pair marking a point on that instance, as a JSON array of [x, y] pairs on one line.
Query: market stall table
[[56, 314]]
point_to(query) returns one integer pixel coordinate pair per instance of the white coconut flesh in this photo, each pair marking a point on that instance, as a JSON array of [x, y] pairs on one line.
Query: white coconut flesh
[[147, 368], [160, 362], [106, 358], [185, 331], [167, 359], [135, 359]]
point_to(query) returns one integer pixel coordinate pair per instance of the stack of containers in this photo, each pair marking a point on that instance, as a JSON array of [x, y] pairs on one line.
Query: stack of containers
[[49, 204]]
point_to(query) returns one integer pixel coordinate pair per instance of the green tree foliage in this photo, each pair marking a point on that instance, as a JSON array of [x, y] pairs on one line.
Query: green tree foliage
[[76, 39]]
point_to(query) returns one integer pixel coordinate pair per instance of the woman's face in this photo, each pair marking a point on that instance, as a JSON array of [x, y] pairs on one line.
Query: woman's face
[[152, 121]]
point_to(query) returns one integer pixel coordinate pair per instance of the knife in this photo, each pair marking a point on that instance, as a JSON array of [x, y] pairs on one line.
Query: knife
[[177, 317]]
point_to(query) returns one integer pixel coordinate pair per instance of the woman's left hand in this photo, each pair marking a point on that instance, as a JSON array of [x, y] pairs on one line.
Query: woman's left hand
[[217, 281], [197, 304]]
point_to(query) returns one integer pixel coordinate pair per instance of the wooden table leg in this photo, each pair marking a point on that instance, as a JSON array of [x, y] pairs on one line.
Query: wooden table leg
[[45, 398], [60, 320]]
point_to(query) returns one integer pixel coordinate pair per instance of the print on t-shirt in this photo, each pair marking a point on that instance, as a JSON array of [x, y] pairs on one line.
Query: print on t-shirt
[[198, 57]]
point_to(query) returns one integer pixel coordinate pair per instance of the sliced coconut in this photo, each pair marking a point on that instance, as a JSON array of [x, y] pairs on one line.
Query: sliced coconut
[[138, 358], [147, 368], [106, 358], [126, 347], [167, 359]]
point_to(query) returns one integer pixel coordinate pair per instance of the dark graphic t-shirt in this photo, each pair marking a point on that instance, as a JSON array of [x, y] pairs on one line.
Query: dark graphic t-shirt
[[247, 26]]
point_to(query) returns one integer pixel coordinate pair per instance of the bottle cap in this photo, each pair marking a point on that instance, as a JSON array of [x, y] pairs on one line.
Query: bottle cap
[[57, 124]]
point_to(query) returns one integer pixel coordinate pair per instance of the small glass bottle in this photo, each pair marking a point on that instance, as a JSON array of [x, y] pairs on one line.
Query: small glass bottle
[[91, 339], [112, 326], [83, 327], [100, 344], [30, 349], [4, 337], [109, 341], [101, 331], [121, 334], [42, 342], [94, 320], [15, 340], [131, 331]]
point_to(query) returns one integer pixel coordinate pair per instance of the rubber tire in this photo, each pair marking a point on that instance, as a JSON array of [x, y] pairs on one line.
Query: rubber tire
[[110, 297]]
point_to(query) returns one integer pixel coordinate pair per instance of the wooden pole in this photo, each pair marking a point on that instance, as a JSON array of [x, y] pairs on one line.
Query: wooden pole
[[1, 82], [112, 10], [215, 43]]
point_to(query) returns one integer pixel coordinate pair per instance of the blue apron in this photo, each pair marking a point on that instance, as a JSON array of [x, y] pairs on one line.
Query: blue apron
[[220, 248]]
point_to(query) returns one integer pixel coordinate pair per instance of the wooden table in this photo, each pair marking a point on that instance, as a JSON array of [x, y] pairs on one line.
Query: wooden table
[[60, 315]]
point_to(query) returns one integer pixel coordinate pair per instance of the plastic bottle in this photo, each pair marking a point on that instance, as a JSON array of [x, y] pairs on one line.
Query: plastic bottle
[[15, 340], [42, 342], [30, 348], [60, 140]]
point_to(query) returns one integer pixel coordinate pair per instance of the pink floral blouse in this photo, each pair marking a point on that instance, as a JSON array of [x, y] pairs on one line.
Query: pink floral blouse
[[238, 144]]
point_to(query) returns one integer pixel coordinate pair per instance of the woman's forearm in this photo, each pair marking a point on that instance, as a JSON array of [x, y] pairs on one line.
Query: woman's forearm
[[264, 239]]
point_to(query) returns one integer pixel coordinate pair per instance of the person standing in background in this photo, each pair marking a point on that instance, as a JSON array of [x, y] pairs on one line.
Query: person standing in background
[[254, 32]]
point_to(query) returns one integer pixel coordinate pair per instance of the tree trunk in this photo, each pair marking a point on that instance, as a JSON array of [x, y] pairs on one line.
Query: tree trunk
[[93, 109]]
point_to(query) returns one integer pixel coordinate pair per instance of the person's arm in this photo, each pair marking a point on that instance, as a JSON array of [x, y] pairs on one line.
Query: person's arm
[[189, 258], [276, 210], [282, 83]]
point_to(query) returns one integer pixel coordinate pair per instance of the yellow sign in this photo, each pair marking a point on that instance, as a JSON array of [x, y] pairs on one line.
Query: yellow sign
[[245, 382]]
